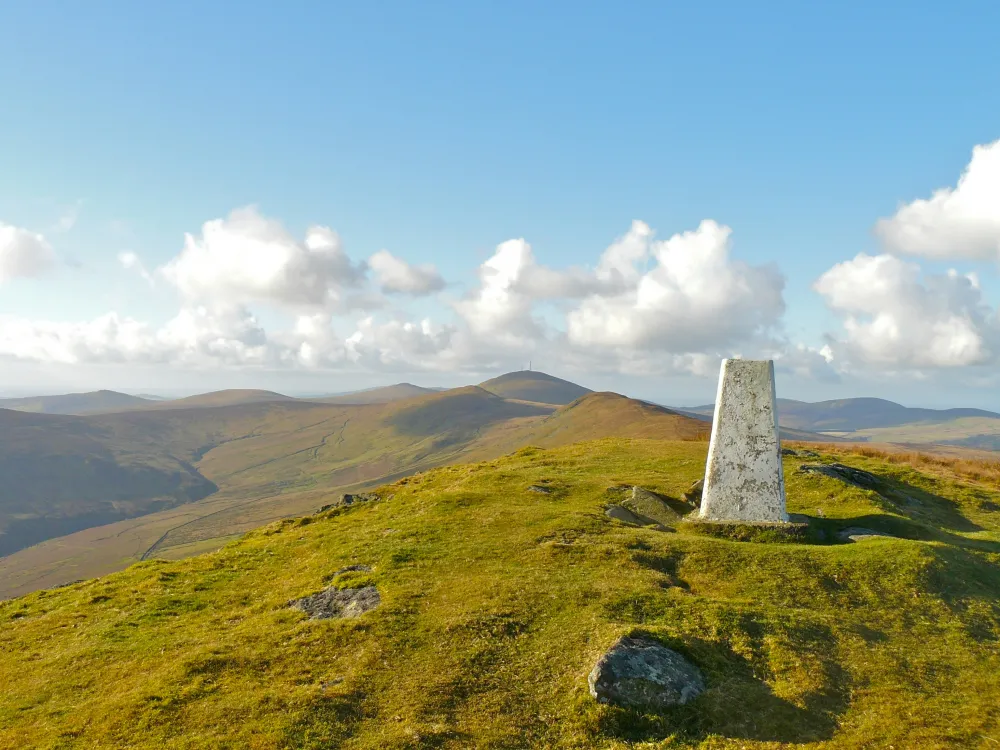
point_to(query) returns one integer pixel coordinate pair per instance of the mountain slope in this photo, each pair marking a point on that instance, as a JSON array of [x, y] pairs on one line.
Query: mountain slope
[[75, 403], [530, 385], [381, 395], [270, 460], [852, 414], [229, 397], [593, 416], [62, 474], [495, 604]]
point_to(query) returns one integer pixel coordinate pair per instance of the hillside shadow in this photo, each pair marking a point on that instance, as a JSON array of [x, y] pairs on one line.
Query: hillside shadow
[[920, 505], [899, 528], [737, 704], [899, 497]]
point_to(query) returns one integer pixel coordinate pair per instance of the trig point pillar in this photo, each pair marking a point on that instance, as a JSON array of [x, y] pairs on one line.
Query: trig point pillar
[[743, 478]]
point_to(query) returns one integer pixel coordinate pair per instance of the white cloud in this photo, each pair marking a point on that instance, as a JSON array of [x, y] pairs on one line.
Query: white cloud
[[247, 258], [892, 319], [131, 262], [959, 222], [194, 337], [499, 310], [693, 299], [396, 275], [23, 253]]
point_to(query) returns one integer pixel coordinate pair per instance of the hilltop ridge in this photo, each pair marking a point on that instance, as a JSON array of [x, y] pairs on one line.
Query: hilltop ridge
[[531, 385]]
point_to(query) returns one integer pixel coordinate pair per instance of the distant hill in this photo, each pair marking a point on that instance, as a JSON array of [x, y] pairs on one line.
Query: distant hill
[[852, 414], [75, 403], [530, 385], [64, 473], [593, 416], [381, 395], [267, 459], [230, 397]]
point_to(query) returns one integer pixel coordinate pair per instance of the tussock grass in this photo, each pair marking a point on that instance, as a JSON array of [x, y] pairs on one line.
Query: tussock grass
[[497, 601]]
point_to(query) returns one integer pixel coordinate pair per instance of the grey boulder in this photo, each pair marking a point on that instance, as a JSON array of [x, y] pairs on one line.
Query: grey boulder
[[638, 672], [331, 603], [859, 534]]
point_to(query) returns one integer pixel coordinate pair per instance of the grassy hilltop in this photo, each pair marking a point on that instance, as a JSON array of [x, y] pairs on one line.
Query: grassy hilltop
[[497, 601]]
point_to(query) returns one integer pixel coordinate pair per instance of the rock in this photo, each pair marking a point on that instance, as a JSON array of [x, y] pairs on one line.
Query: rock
[[639, 672], [859, 534], [360, 497], [333, 603], [345, 500], [648, 504], [857, 477], [789, 452], [693, 494], [538, 488], [620, 513]]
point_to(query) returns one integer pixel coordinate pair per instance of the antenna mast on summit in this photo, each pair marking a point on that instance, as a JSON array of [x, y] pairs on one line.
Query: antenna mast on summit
[[529, 365]]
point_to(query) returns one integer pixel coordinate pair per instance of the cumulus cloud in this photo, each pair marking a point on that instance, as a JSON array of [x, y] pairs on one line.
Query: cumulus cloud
[[695, 298], [131, 262], [195, 336], [499, 308], [23, 253], [958, 222], [893, 319], [247, 257], [396, 275]]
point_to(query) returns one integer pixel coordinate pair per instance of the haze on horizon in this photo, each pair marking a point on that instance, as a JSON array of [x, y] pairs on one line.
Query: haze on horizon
[[326, 199]]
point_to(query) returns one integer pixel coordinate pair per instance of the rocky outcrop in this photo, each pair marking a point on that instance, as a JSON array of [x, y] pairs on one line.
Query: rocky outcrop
[[638, 672], [331, 603], [856, 477]]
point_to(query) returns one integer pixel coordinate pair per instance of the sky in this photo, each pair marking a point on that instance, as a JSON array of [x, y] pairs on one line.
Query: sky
[[316, 197]]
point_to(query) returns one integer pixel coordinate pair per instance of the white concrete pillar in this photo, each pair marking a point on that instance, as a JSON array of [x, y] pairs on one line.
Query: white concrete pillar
[[743, 477]]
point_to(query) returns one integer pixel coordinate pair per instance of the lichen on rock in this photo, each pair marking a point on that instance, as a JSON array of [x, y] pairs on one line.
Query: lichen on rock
[[639, 672], [333, 603]]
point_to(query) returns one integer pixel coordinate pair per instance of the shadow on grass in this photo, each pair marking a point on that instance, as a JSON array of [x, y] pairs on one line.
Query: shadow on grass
[[901, 528], [738, 704], [907, 500]]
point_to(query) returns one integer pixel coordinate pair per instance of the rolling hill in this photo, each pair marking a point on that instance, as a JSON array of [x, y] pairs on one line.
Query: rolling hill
[[531, 385], [62, 474], [381, 395], [76, 403], [496, 600], [229, 397], [854, 414], [267, 460]]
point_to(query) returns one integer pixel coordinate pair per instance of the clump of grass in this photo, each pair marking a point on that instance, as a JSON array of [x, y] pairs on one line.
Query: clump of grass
[[496, 603]]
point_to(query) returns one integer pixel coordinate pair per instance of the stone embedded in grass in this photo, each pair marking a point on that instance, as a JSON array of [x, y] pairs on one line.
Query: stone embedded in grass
[[333, 603], [859, 534], [638, 672], [847, 474], [623, 514], [539, 489], [743, 474], [694, 493], [347, 499]]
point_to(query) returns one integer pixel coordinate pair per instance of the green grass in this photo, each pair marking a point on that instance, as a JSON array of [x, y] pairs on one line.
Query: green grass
[[496, 604]]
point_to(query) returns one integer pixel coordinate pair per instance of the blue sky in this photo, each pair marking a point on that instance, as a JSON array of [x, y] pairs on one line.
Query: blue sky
[[438, 131]]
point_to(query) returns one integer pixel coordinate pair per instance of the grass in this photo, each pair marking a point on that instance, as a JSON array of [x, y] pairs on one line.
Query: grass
[[497, 601]]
